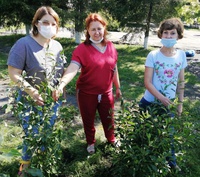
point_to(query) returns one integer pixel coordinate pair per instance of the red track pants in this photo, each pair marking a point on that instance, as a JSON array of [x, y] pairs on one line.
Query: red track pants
[[104, 104]]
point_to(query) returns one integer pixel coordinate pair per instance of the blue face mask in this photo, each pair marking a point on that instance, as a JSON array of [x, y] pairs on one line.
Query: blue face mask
[[168, 42]]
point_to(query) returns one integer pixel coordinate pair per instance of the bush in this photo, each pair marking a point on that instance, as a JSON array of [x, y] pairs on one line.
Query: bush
[[145, 143]]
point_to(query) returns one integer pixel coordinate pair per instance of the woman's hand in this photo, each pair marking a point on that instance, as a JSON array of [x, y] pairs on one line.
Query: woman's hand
[[16, 76], [118, 93], [56, 94], [36, 97]]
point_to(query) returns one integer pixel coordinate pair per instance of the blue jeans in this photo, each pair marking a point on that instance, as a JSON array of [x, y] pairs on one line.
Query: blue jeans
[[144, 104], [25, 116]]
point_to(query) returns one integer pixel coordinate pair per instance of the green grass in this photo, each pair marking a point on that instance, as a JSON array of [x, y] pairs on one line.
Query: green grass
[[5, 43], [9, 40], [131, 70], [3, 66], [76, 162]]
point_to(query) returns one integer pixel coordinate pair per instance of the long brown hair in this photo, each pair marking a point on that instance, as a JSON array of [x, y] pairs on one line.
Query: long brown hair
[[95, 17], [44, 10]]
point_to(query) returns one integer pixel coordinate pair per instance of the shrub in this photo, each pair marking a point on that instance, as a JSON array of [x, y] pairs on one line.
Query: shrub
[[145, 143]]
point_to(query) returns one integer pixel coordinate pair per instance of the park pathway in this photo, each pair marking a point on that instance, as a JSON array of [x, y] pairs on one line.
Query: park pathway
[[189, 42]]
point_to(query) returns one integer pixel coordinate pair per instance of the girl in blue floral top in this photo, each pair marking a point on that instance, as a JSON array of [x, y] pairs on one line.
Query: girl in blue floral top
[[164, 74], [164, 67]]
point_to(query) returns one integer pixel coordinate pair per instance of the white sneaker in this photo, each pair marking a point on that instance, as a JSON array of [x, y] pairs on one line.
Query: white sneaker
[[117, 143], [91, 149]]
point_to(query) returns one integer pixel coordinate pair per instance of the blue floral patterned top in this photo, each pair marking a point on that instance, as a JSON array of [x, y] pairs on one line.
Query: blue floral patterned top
[[166, 72]]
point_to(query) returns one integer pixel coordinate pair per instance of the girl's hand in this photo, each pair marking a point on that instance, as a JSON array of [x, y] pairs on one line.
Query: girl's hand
[[180, 109], [165, 101]]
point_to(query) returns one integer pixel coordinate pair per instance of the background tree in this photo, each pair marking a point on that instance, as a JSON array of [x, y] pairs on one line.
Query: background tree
[[14, 12], [18, 12], [141, 13], [79, 11], [134, 15], [190, 12]]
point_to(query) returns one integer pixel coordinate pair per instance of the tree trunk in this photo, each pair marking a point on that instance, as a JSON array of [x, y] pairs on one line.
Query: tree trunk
[[146, 42], [78, 37], [148, 21], [28, 28], [79, 20]]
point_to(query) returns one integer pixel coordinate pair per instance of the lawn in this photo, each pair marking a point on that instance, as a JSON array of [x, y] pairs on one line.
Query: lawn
[[72, 159]]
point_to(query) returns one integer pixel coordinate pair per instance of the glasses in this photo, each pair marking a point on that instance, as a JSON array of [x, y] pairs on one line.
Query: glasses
[[47, 23]]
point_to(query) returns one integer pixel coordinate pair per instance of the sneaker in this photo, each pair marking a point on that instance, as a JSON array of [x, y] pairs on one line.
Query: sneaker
[[171, 163], [91, 149], [175, 167], [22, 169], [116, 144]]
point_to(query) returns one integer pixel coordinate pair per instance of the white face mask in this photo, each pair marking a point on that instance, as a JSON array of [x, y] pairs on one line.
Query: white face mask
[[48, 31], [96, 42]]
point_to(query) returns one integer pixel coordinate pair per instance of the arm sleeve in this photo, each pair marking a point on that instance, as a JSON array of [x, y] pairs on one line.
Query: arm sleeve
[[17, 57], [184, 64], [149, 61]]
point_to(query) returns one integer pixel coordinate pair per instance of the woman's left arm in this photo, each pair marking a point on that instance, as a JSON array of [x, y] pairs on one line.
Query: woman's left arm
[[180, 91], [117, 83]]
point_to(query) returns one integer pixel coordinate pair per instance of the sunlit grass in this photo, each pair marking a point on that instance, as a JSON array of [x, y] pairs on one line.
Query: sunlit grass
[[3, 66], [191, 78], [131, 61], [10, 138]]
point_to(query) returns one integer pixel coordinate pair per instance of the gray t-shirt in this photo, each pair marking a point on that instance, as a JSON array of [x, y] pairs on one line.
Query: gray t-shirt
[[40, 64]]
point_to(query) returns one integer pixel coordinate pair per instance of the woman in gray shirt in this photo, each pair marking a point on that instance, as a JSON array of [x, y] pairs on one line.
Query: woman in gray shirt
[[39, 56]]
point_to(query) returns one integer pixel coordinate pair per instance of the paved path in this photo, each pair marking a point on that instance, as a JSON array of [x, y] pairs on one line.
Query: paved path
[[189, 42]]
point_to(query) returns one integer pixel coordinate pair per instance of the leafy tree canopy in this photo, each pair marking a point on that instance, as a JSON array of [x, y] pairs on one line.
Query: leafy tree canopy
[[135, 12]]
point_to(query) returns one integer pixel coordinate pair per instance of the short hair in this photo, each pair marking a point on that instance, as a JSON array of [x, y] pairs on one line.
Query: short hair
[[169, 24], [95, 17], [43, 10]]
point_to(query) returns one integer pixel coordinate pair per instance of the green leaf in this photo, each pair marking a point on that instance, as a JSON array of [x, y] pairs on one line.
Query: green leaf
[[4, 175], [11, 153], [34, 172]]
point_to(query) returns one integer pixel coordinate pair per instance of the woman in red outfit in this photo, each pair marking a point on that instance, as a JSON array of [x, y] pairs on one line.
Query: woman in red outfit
[[97, 58]]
